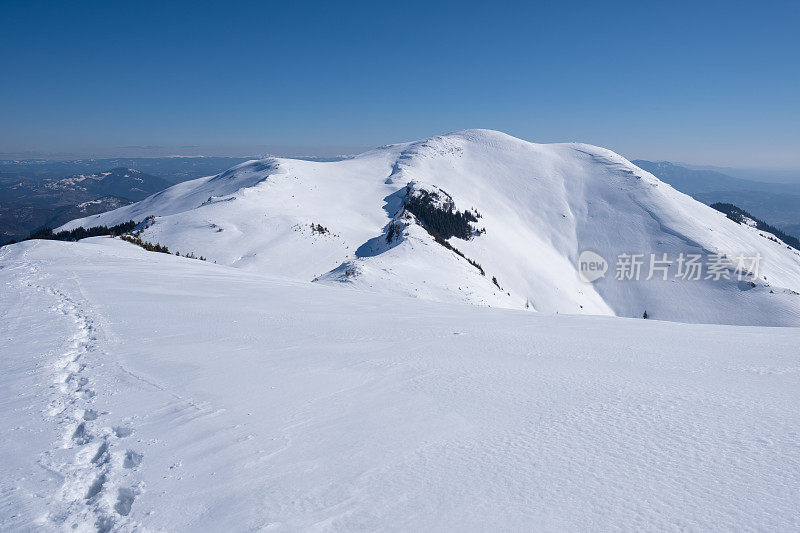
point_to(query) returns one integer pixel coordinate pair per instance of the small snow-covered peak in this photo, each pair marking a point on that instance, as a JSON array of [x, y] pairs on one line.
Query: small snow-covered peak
[[254, 166], [480, 135]]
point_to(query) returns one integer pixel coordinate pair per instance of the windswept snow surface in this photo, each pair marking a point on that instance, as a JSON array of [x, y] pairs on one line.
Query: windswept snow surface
[[540, 204], [143, 391]]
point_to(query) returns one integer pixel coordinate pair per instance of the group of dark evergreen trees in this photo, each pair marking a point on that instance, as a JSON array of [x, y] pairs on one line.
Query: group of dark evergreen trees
[[737, 214], [440, 221], [80, 232], [157, 247], [444, 219], [124, 231], [319, 228], [149, 246]]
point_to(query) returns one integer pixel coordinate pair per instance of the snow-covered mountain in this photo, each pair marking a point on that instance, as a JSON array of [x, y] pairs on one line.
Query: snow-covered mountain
[[145, 391], [476, 216]]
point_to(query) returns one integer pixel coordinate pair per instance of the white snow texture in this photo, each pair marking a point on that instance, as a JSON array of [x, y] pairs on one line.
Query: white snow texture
[[147, 392]]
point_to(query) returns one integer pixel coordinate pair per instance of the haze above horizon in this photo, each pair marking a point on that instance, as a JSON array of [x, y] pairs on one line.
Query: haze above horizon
[[710, 84]]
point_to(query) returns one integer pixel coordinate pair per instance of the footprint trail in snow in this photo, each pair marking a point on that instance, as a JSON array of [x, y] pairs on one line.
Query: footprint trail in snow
[[98, 468]]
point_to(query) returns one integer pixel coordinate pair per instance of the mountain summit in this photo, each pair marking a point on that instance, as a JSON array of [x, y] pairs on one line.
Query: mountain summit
[[481, 217]]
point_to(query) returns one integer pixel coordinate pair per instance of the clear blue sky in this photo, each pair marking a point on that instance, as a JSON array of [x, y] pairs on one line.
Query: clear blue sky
[[701, 82]]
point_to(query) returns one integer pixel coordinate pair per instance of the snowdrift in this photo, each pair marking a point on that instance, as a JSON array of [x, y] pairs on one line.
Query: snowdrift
[[148, 392]]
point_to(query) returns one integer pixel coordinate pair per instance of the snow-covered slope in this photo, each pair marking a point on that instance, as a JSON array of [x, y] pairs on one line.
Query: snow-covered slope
[[147, 392], [541, 205]]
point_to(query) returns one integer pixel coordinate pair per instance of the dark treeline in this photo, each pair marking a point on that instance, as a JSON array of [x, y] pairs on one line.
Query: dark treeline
[[441, 221], [80, 232], [149, 246], [737, 214], [444, 220], [124, 231]]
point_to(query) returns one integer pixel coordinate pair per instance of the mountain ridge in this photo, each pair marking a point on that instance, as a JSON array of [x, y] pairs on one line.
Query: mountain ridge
[[541, 206]]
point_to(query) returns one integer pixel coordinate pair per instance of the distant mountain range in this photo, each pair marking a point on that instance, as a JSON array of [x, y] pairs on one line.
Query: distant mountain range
[[172, 169], [777, 203], [30, 203], [122, 182]]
